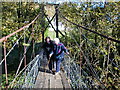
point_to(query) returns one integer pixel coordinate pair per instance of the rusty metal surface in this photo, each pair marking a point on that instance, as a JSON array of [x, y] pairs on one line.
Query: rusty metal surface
[[6, 37]]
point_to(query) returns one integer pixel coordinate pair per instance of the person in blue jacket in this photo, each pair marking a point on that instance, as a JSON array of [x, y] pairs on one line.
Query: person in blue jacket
[[58, 53]]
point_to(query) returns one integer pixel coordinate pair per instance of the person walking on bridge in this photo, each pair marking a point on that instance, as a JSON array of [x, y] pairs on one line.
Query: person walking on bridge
[[48, 47], [58, 53]]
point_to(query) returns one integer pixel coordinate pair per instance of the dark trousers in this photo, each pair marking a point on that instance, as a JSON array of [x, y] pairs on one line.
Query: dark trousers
[[51, 63], [55, 63]]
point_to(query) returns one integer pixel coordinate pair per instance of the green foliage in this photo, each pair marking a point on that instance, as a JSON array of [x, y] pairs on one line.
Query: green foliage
[[10, 78], [99, 51], [15, 16], [51, 34]]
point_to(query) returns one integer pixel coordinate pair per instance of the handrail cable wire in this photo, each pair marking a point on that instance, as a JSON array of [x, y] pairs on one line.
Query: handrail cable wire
[[22, 28], [21, 72], [109, 38], [12, 48], [92, 31], [94, 46], [26, 49], [89, 64], [29, 41], [87, 60]]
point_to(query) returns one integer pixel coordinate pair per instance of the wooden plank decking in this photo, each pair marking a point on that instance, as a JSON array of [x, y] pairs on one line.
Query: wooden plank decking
[[46, 79]]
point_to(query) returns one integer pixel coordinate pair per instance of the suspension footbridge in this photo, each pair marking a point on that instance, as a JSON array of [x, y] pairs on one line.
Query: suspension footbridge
[[73, 74]]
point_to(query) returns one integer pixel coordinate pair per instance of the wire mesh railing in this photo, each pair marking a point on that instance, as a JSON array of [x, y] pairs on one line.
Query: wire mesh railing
[[28, 76], [100, 60], [78, 77], [18, 43]]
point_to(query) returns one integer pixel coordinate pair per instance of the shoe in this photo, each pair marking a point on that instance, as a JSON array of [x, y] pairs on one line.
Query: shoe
[[57, 73], [53, 73], [50, 71]]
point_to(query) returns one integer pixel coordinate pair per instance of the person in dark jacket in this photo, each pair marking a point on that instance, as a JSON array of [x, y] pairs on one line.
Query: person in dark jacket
[[48, 47], [58, 53]]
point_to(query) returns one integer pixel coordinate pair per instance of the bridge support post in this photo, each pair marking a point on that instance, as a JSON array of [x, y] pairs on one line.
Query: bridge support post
[[5, 63], [24, 50], [56, 10], [33, 41]]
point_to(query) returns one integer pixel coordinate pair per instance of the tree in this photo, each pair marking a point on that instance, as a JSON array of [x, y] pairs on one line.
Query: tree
[[99, 51]]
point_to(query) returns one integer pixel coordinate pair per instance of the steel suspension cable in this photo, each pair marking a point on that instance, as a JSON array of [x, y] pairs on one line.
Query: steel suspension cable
[[21, 71], [87, 60], [22, 28], [109, 38], [94, 33], [23, 56], [74, 73], [82, 69], [12, 47]]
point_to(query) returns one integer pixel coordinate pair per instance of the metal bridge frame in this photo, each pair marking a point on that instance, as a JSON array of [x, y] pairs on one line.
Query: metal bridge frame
[[49, 22]]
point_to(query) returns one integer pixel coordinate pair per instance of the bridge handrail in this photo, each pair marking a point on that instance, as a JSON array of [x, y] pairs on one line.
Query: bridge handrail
[[4, 39], [72, 72], [28, 69], [104, 36], [12, 48], [22, 28]]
